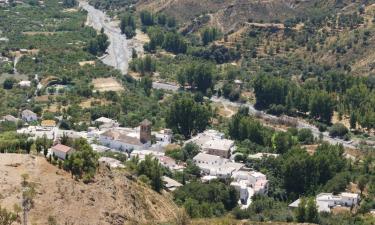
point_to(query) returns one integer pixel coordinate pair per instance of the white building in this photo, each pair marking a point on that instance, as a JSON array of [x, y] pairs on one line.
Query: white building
[[219, 147], [127, 139], [124, 139], [326, 201], [141, 154], [105, 122], [164, 136], [261, 155], [170, 163], [249, 183], [29, 116], [61, 151], [214, 165], [24, 84], [213, 142]]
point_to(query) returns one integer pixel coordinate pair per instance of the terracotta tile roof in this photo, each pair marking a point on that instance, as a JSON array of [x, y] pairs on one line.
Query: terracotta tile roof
[[61, 148], [48, 123]]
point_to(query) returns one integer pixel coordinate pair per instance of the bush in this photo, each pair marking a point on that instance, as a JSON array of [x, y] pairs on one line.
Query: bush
[[305, 136], [338, 130]]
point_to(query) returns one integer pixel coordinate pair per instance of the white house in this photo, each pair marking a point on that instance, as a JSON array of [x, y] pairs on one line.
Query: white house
[[170, 163], [61, 151], [29, 116], [164, 136], [213, 142], [261, 155], [24, 84], [214, 165], [105, 122], [219, 147], [249, 183], [326, 201]]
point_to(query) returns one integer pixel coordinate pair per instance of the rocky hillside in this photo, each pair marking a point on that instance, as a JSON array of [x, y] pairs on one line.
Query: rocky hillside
[[111, 199]]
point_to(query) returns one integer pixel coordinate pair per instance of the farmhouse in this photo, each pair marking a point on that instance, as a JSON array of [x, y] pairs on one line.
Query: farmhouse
[[61, 151], [29, 116], [326, 201]]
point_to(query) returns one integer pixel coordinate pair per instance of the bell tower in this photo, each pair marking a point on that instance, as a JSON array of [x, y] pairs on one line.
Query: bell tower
[[145, 132]]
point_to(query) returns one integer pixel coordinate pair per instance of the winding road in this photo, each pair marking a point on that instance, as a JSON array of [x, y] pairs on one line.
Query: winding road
[[119, 51]]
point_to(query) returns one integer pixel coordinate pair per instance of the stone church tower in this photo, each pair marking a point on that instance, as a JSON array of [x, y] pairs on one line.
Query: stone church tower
[[145, 132]]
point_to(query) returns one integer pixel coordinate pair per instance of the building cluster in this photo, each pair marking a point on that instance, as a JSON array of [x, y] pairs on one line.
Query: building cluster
[[214, 158], [325, 202], [215, 163]]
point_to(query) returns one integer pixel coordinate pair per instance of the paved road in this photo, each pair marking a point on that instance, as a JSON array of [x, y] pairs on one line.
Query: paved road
[[119, 51], [301, 124]]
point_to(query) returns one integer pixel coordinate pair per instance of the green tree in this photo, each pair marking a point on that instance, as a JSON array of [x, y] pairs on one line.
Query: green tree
[[301, 211], [312, 215], [187, 117], [128, 25], [321, 106]]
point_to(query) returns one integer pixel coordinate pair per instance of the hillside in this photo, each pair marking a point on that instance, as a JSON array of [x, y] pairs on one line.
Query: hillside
[[111, 199]]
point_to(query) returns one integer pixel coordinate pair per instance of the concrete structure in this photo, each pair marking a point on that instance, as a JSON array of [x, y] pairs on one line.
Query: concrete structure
[[171, 184], [29, 116], [326, 201], [105, 122], [61, 151]]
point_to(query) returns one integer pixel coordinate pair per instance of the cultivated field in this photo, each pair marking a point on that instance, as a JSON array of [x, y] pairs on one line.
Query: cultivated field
[[107, 84]]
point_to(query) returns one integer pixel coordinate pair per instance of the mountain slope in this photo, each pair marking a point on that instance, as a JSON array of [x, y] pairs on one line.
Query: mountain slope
[[111, 199]]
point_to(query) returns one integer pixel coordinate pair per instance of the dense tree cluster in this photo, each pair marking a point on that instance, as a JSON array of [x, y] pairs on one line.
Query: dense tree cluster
[[209, 34], [187, 117], [218, 53], [128, 25], [198, 76], [99, 44], [206, 200], [83, 162]]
